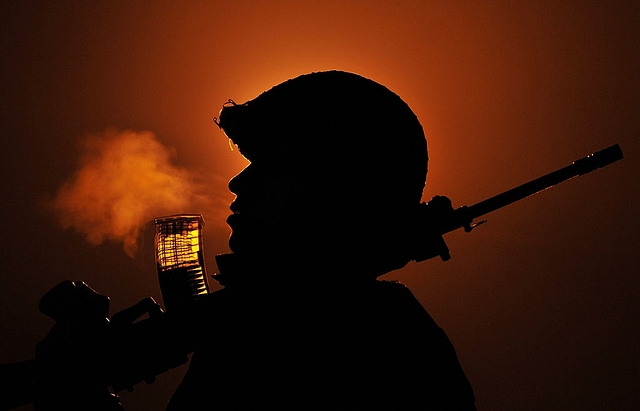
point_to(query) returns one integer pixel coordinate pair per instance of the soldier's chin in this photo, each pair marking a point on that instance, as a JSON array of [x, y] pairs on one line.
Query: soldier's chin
[[257, 245], [235, 243], [245, 245]]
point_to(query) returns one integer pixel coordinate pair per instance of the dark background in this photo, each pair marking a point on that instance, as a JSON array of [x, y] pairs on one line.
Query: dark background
[[541, 302]]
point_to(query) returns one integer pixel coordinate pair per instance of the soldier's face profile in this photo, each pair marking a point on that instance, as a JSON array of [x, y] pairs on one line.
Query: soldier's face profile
[[265, 208]]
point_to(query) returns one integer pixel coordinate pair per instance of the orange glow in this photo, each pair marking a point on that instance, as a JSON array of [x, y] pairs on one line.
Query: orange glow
[[125, 179], [177, 241], [541, 302], [179, 258]]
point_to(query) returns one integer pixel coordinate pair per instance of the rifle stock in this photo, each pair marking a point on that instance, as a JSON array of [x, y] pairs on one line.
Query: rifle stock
[[118, 356]]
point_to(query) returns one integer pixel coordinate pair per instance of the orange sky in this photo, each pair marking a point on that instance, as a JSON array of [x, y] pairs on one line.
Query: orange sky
[[541, 302]]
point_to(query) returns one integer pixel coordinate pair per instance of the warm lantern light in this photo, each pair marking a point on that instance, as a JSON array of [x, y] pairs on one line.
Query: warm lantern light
[[180, 260]]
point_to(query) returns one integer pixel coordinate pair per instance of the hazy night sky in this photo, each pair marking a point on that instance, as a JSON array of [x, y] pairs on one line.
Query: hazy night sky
[[107, 114]]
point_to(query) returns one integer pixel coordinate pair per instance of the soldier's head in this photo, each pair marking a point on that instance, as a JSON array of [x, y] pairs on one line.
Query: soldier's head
[[337, 166]]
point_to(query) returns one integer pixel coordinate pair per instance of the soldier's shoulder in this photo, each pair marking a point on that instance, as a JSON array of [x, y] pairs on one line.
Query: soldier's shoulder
[[391, 286]]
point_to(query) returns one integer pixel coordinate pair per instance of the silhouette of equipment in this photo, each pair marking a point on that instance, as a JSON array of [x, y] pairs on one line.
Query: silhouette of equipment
[[87, 350], [441, 218], [180, 259], [85, 353]]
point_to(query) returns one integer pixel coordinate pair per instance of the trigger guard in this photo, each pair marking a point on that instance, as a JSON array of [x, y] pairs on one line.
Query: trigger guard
[[129, 315]]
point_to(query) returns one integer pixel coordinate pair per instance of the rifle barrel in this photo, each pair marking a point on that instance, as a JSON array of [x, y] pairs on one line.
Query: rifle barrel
[[577, 168]]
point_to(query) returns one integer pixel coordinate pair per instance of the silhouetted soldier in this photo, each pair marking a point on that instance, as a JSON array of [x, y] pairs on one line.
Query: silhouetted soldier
[[328, 203]]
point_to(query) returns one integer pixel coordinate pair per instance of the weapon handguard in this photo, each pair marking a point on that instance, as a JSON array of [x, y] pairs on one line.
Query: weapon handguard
[[444, 218]]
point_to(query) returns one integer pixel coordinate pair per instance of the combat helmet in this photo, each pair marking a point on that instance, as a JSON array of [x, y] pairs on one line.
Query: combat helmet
[[337, 127]]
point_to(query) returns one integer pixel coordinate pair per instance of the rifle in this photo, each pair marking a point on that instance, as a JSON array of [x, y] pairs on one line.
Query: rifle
[[441, 218], [126, 353]]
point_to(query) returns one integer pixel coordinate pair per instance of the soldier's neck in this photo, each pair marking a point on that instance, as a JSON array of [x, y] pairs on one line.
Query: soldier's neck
[[236, 270]]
